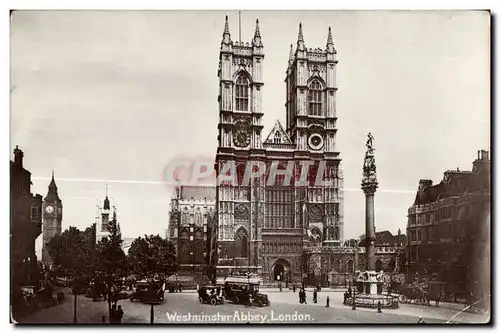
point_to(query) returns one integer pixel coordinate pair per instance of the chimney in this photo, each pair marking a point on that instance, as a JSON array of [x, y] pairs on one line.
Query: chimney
[[423, 184], [18, 157], [484, 155]]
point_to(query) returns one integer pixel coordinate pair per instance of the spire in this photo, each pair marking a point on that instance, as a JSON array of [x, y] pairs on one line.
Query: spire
[[257, 41], [226, 27], [329, 42], [226, 36], [301, 36], [52, 185], [330, 39], [257, 31], [300, 39], [52, 194]]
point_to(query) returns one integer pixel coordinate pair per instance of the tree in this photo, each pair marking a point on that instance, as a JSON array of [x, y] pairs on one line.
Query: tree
[[152, 256], [72, 252], [110, 260]]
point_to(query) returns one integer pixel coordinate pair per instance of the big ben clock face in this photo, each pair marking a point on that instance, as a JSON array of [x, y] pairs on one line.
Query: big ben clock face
[[241, 136], [315, 141], [49, 209]]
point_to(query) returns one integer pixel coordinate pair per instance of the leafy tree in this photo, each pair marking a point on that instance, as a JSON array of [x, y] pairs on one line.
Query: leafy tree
[[72, 252], [110, 260], [152, 256]]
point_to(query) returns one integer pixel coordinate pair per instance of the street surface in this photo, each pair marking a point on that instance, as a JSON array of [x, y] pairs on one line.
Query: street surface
[[184, 307]]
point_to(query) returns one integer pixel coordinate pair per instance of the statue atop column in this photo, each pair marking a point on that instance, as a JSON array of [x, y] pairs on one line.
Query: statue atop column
[[369, 167]]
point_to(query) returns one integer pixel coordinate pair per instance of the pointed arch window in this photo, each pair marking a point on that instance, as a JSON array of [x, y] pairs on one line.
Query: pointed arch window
[[277, 137], [241, 95], [315, 98]]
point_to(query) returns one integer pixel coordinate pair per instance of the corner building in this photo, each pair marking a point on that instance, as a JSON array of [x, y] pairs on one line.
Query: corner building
[[265, 227], [449, 231]]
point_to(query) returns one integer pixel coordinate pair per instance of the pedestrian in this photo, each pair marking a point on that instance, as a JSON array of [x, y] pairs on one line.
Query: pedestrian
[[305, 296], [112, 315], [315, 296], [301, 297], [293, 287], [119, 314]]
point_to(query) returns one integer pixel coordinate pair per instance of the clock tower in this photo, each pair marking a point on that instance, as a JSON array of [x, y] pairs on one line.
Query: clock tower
[[52, 218]]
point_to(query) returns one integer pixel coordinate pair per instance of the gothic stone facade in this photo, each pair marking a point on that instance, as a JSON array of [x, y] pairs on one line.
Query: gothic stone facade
[[264, 227], [192, 209]]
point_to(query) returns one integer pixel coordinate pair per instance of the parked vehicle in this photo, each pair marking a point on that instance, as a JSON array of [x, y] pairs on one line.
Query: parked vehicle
[[244, 290], [150, 292], [210, 295]]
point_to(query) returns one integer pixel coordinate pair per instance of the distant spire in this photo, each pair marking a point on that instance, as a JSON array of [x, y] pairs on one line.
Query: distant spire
[[329, 42], [257, 31], [52, 194], [300, 39], [226, 27], [330, 39]]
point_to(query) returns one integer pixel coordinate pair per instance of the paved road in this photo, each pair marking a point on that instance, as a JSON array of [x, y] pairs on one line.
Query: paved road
[[184, 308]]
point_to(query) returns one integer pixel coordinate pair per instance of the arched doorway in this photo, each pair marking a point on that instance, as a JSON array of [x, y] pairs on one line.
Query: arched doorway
[[281, 271], [241, 243]]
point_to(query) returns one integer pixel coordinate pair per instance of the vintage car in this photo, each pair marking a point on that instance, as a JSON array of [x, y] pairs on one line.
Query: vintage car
[[244, 290], [150, 292], [210, 295]]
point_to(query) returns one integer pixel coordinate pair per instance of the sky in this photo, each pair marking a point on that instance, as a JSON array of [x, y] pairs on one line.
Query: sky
[[116, 96]]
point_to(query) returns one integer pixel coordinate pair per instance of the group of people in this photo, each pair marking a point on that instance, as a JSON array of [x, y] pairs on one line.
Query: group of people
[[303, 296], [116, 314]]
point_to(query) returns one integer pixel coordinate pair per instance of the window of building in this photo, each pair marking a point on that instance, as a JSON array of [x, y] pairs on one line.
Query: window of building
[[241, 95], [419, 235], [277, 137], [34, 213], [315, 98]]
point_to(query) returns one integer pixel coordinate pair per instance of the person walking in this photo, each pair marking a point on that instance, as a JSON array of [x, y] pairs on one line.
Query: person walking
[[315, 296], [112, 315], [119, 314]]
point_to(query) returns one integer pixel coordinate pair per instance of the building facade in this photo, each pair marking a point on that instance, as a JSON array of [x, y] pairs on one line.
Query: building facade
[[52, 220], [449, 231], [25, 224], [191, 211], [265, 226]]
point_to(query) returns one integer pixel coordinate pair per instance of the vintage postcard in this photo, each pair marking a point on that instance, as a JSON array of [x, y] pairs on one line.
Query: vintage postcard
[[250, 167]]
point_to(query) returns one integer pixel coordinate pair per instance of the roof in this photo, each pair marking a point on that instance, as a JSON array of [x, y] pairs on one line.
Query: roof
[[384, 238], [197, 193], [278, 136], [456, 182]]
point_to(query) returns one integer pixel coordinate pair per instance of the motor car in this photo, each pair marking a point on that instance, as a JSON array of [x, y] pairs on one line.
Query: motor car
[[149, 292], [245, 290], [210, 295]]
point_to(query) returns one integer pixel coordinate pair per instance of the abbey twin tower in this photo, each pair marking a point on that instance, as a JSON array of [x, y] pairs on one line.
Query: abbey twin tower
[[264, 224]]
